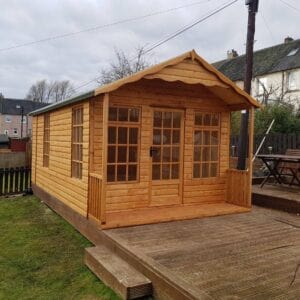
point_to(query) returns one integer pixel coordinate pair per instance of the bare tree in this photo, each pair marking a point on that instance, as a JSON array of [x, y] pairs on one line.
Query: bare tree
[[124, 66], [61, 90], [38, 91], [43, 91], [275, 95]]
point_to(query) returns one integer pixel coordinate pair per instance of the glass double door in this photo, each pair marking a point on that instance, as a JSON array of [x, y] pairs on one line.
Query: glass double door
[[167, 155]]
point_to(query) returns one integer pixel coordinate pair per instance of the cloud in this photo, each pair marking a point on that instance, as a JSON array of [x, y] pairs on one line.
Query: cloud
[[80, 57]]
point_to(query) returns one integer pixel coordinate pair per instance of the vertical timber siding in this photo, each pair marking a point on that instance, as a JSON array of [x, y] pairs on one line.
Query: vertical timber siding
[[57, 179], [96, 125]]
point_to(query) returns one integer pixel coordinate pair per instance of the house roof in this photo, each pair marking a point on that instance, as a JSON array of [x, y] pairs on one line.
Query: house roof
[[265, 61], [9, 106], [222, 86]]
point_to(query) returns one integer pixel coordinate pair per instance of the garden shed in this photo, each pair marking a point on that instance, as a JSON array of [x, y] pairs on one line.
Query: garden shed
[[151, 147]]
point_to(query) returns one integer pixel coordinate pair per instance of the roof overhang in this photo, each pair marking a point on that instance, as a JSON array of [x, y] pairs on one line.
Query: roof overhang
[[222, 87]]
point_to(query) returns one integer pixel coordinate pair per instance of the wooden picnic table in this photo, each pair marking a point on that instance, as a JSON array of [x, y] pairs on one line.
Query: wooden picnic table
[[273, 161]]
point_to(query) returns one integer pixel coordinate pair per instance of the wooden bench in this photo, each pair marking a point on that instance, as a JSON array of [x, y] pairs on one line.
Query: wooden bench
[[290, 169]]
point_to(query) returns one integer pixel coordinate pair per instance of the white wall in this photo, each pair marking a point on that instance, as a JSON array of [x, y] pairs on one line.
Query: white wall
[[277, 83]]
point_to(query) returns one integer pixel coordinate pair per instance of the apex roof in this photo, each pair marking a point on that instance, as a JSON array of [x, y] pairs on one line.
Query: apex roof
[[277, 58], [219, 84], [8, 106]]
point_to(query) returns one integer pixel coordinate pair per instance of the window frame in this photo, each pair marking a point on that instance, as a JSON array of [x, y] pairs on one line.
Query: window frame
[[125, 124], [209, 128], [46, 134], [8, 118], [288, 81], [75, 173], [262, 85], [171, 146]]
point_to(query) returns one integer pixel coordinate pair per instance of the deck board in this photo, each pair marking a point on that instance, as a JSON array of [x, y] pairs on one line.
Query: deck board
[[169, 213], [241, 256], [280, 197]]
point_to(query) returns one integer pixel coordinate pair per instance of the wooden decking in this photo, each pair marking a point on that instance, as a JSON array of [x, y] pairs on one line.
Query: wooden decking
[[169, 213], [282, 197], [254, 255], [243, 256]]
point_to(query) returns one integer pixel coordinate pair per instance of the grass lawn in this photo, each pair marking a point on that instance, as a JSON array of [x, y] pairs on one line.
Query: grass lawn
[[41, 255]]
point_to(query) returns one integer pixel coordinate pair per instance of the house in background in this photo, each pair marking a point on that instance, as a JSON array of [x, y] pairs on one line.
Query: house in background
[[276, 72], [11, 111]]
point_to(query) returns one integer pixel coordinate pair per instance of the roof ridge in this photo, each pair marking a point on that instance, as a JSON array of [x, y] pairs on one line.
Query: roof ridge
[[256, 51]]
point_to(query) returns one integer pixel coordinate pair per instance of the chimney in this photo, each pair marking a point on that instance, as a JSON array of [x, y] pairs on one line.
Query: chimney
[[232, 54], [288, 39]]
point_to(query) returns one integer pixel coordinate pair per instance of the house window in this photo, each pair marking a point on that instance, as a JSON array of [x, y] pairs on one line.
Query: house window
[[8, 119], [46, 149], [292, 81], [77, 142], [6, 132], [206, 145], [24, 121], [15, 131], [262, 85], [123, 144]]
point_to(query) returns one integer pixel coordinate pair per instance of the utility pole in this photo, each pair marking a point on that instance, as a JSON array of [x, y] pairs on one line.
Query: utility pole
[[243, 138], [22, 116]]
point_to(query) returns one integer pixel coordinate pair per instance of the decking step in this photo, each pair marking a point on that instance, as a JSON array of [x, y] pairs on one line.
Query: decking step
[[117, 273]]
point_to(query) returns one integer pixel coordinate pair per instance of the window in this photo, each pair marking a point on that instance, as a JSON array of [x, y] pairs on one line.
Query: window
[[123, 144], [166, 145], [46, 149], [8, 119], [206, 145], [24, 121], [15, 131], [293, 52], [292, 81], [77, 142], [6, 132], [262, 85]]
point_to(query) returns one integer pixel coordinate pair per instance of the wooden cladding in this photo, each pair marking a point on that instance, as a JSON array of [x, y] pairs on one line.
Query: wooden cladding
[[46, 142], [94, 198], [206, 145], [77, 142], [165, 150], [123, 144], [238, 187]]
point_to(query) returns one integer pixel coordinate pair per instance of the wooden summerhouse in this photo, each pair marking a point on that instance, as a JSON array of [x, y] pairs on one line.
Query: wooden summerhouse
[[151, 147]]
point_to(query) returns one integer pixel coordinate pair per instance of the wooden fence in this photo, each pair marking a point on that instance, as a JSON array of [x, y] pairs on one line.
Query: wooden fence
[[14, 180], [275, 143]]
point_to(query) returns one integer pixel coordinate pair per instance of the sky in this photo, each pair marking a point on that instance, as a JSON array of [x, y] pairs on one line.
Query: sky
[[81, 57]]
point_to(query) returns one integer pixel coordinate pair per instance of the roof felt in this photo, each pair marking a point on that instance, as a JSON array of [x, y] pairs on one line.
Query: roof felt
[[268, 60], [9, 106]]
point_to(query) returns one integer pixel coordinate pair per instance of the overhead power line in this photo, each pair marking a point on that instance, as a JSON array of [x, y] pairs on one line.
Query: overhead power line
[[95, 28], [267, 26], [171, 36], [290, 5]]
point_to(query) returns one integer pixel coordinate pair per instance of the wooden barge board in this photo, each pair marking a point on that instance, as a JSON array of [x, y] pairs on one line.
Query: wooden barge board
[[244, 256]]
